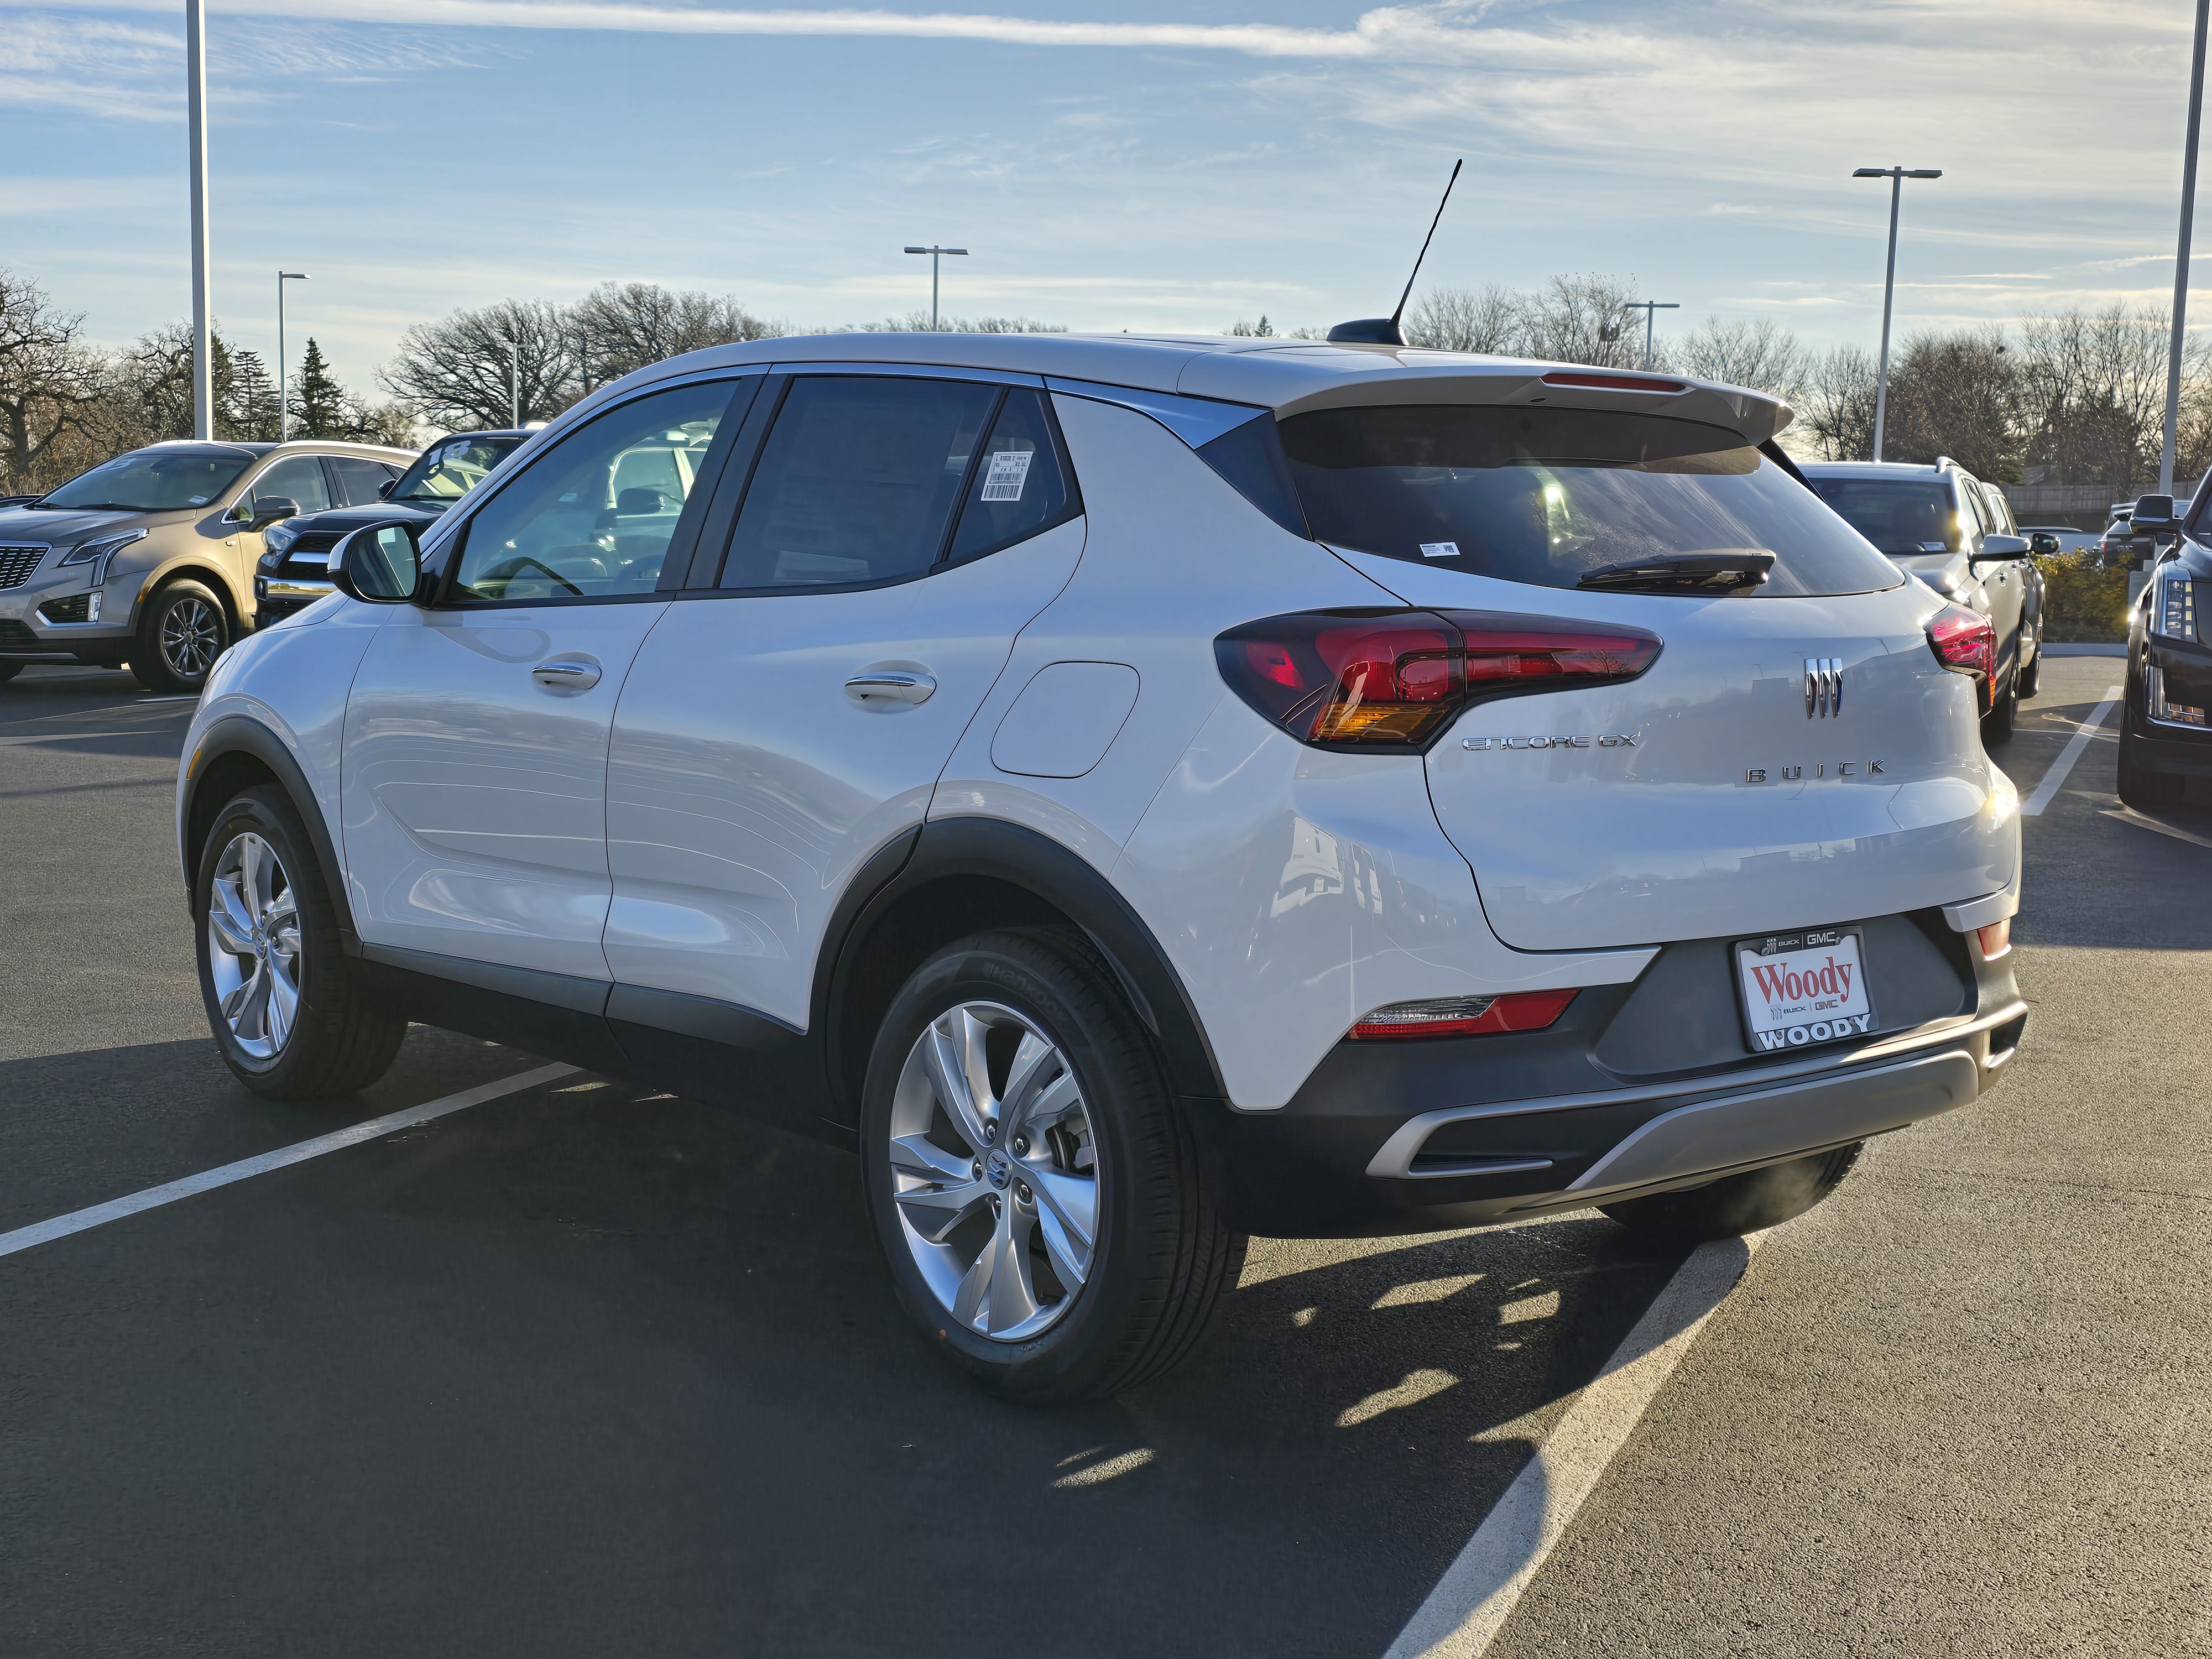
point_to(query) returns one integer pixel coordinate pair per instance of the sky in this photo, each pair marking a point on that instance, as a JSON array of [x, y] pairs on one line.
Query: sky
[[1150, 164]]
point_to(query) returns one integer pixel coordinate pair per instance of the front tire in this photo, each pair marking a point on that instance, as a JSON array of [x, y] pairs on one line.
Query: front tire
[[181, 632], [280, 992], [1031, 1181], [1736, 1204], [2139, 787]]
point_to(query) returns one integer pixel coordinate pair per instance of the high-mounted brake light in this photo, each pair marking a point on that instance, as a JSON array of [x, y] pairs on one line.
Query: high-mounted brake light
[[1516, 1010], [1393, 680], [1614, 382], [1965, 642]]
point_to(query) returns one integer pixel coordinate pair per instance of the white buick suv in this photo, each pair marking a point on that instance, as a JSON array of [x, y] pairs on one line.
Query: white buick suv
[[1138, 793]]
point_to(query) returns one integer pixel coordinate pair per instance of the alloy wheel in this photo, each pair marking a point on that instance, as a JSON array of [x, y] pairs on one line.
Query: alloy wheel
[[995, 1169], [192, 634], [253, 946]]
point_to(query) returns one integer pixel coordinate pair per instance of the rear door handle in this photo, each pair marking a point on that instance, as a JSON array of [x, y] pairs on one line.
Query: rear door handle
[[576, 673], [884, 684]]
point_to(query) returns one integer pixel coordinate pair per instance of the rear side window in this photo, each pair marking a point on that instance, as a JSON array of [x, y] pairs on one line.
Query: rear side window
[[858, 481], [359, 480], [1543, 496], [1020, 487]]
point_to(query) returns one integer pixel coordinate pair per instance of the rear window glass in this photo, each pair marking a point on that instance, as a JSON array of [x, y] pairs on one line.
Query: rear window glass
[[1543, 496], [1904, 519]]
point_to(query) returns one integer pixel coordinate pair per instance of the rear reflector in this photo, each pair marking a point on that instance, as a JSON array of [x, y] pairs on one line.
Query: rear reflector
[[1516, 1011], [1393, 680], [1964, 643], [1997, 938], [1614, 382]]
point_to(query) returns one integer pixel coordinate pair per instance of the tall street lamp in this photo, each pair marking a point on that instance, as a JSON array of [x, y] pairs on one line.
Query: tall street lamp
[[1896, 176], [1648, 307], [283, 409], [2181, 256], [933, 254], [196, 125]]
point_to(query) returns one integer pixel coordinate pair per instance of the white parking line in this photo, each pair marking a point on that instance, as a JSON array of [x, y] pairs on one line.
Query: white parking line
[[2128, 815], [2047, 791], [1479, 1590], [78, 1221]]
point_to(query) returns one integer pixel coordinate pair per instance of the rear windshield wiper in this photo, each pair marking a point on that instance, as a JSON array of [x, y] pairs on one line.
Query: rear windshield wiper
[[1721, 570]]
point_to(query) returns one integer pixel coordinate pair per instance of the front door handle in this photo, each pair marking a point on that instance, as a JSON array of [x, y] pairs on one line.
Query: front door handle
[[882, 684], [576, 673]]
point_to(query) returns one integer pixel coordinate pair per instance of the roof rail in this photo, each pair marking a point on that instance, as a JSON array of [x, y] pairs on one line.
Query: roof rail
[[1943, 461]]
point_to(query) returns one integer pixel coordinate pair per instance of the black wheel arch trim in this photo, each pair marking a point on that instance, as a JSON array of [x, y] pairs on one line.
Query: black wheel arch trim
[[242, 734], [1025, 859]]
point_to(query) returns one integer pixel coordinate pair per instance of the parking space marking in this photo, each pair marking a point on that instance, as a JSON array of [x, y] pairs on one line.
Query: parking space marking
[[78, 1221], [1479, 1590], [2128, 815], [2047, 790]]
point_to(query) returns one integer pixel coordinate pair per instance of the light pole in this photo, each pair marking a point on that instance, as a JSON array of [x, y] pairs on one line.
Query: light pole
[[514, 394], [2181, 256], [1649, 307], [933, 252], [196, 124], [283, 409], [1896, 176]]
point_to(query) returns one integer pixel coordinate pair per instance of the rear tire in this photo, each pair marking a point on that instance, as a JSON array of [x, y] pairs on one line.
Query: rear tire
[[2032, 681], [1023, 1035], [181, 632], [280, 992], [2140, 787], [1997, 724], [1738, 1204]]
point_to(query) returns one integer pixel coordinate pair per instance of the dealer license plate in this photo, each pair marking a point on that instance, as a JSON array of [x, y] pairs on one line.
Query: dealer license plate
[[1803, 988]]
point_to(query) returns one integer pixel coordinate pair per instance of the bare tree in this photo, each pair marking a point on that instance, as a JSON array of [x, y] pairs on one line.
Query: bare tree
[[917, 322], [1485, 320], [51, 384], [1759, 354], [2094, 385], [1835, 394], [1957, 394], [623, 327], [454, 372], [1581, 319]]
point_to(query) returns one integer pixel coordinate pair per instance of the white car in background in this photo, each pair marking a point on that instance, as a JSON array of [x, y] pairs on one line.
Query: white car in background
[[1138, 793]]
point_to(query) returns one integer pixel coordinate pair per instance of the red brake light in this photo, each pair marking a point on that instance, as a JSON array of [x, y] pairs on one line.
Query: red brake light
[[1394, 680], [1964, 642], [1613, 382], [1516, 1011]]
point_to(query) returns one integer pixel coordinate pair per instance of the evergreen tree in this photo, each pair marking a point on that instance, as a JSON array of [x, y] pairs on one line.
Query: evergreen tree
[[249, 412], [321, 408]]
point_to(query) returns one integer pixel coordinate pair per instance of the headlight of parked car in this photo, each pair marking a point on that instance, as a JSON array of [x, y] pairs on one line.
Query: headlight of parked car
[[2174, 615], [98, 551], [278, 537]]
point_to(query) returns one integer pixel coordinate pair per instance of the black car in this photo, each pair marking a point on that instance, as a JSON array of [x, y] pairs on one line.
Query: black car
[[2165, 741], [294, 573]]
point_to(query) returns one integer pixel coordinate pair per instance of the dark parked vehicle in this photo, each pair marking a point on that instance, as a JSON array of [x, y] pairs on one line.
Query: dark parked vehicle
[[294, 571], [2166, 744]]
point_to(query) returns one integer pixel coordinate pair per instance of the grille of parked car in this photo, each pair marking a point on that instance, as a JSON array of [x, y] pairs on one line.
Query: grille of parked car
[[75, 609], [17, 562]]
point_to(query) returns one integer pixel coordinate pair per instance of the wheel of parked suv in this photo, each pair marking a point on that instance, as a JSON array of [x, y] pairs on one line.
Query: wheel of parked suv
[[1032, 1182], [2032, 681], [181, 632], [281, 994], [1997, 724], [2140, 787], [1738, 1204]]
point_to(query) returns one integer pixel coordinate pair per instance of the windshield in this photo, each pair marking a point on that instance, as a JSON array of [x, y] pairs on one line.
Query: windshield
[[446, 471], [1544, 495], [154, 481], [1903, 518]]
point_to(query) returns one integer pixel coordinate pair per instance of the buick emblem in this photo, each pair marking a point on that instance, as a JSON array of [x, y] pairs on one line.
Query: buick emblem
[[1824, 687], [998, 1168]]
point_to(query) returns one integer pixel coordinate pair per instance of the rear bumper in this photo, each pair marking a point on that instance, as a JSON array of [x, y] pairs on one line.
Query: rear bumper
[[1455, 1133]]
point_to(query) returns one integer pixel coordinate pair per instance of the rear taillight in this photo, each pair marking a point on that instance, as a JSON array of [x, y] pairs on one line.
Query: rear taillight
[[1964, 643], [1516, 1011], [1393, 680]]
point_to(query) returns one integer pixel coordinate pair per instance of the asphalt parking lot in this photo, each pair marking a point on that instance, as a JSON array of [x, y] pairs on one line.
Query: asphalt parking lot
[[584, 1370]]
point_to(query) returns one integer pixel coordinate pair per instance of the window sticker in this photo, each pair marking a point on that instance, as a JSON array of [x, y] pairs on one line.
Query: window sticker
[[1009, 470], [196, 500], [1440, 549]]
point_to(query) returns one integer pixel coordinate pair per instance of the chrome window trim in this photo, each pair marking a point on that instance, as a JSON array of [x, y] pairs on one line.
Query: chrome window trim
[[1393, 1159]]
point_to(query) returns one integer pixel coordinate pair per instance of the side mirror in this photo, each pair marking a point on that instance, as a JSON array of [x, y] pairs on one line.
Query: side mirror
[[2043, 543], [2154, 516], [380, 563], [2000, 550], [268, 509], [384, 489]]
